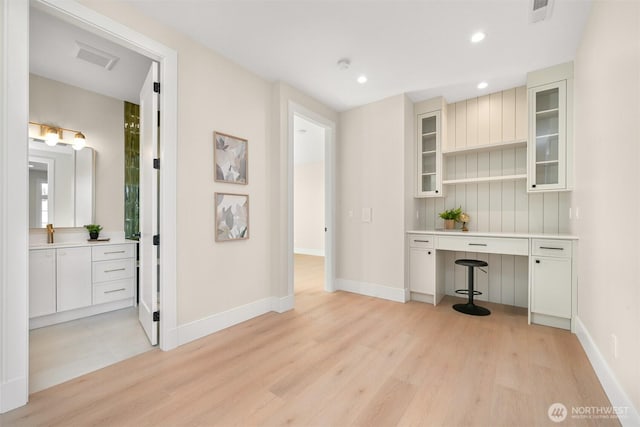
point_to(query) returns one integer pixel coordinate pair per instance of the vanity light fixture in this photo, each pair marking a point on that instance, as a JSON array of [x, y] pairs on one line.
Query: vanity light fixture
[[483, 85], [478, 37], [52, 136]]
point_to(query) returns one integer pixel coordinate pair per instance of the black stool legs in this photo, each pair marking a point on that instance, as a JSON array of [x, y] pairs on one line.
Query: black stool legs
[[470, 307]]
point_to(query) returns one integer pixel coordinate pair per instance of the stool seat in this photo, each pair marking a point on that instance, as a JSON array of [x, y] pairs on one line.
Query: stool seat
[[470, 307], [472, 262]]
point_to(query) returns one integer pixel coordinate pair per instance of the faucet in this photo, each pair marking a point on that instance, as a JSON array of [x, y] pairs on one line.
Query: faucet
[[50, 232]]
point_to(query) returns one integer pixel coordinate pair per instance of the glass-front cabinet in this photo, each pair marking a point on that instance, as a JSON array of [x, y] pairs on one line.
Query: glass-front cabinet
[[429, 155], [547, 137]]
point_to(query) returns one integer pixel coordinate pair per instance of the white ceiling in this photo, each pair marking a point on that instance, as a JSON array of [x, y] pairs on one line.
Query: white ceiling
[[417, 47], [52, 54], [308, 141]]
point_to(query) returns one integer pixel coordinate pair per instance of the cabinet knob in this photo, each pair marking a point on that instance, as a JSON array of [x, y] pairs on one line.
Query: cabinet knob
[[436, 191], [537, 261], [533, 186], [429, 252]]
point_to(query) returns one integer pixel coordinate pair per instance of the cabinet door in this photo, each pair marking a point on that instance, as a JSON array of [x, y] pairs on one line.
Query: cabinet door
[[73, 278], [422, 271], [547, 138], [429, 155], [551, 286], [42, 282]]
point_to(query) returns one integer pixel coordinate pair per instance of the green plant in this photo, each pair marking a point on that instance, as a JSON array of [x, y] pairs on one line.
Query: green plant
[[453, 214], [93, 228]]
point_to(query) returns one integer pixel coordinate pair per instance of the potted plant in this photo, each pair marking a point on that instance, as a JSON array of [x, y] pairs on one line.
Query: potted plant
[[94, 230], [450, 217]]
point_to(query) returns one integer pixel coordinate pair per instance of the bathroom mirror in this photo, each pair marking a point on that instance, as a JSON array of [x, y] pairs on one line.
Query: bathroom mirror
[[61, 185]]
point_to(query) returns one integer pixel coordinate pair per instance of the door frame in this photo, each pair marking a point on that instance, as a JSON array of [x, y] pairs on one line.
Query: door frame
[[14, 230], [329, 192]]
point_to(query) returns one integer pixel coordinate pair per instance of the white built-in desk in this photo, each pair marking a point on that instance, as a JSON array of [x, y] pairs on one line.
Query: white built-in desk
[[552, 280]]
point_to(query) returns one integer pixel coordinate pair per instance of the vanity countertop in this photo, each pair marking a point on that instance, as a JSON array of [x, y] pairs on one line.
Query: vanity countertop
[[116, 241], [442, 232]]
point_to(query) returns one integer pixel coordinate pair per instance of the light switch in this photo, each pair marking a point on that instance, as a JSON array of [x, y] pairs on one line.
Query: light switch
[[366, 214]]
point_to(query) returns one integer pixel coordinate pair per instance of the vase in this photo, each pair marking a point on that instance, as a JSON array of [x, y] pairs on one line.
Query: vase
[[449, 224], [94, 235]]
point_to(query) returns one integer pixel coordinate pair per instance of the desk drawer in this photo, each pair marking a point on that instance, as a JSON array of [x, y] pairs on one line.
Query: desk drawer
[[113, 291], [552, 248], [104, 253], [421, 241], [105, 271], [493, 245]]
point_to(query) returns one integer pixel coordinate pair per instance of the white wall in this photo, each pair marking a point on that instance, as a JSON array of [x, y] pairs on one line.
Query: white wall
[[308, 217], [101, 120], [371, 174], [607, 153]]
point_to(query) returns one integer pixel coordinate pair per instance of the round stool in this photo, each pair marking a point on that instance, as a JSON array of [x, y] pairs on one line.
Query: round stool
[[470, 307]]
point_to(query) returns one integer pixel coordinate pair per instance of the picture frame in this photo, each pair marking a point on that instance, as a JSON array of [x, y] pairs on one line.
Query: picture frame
[[230, 158], [231, 217]]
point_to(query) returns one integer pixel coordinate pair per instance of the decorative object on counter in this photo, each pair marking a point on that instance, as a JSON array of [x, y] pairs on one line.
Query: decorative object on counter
[[50, 232], [94, 230], [232, 217], [450, 217], [464, 219], [230, 158]]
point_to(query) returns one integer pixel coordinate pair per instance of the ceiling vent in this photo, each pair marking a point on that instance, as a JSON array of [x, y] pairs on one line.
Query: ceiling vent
[[540, 10], [96, 56]]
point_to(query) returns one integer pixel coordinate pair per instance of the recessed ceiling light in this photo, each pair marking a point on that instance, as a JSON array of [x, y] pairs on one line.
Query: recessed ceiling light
[[483, 85], [478, 37], [362, 79]]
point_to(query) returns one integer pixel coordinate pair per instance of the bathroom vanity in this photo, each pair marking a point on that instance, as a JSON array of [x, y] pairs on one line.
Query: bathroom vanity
[[68, 281]]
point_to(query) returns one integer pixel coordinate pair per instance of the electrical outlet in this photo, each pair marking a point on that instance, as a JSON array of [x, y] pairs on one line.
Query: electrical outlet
[[366, 214], [614, 345], [350, 214], [577, 213]]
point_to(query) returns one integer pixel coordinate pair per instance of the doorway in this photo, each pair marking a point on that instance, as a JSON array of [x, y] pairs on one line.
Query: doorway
[[77, 77], [308, 205]]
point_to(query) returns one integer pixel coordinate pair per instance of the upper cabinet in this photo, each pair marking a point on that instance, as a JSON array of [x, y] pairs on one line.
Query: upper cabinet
[[430, 117], [550, 129]]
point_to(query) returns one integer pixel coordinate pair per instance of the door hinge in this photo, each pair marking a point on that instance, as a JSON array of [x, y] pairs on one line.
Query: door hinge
[[156, 240], [156, 164], [156, 316], [158, 118], [156, 87], [325, 229]]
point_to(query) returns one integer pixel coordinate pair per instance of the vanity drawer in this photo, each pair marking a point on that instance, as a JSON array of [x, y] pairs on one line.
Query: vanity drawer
[[104, 253], [552, 248], [421, 241], [113, 291], [502, 245], [104, 271]]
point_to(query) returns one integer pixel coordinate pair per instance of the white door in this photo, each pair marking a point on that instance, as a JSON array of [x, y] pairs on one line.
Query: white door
[[148, 290]]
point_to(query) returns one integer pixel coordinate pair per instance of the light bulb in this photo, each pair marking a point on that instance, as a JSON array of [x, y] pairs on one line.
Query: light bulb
[[51, 137], [79, 141]]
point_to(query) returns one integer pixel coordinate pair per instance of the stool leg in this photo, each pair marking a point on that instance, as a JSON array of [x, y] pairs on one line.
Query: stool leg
[[470, 284]]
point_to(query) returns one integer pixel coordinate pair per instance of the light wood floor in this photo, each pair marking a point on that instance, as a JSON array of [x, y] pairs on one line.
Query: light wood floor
[[339, 359]]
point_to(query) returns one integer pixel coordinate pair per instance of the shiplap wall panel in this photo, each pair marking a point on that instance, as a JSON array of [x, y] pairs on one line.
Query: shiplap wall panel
[[509, 115], [472, 122], [503, 206], [522, 128], [461, 124]]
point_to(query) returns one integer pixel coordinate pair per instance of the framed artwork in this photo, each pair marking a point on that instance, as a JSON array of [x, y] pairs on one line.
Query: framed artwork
[[230, 158], [232, 217]]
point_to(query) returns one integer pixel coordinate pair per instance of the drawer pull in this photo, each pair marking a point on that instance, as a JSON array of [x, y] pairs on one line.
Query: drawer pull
[[477, 244], [114, 252], [117, 269], [422, 241], [115, 290], [552, 248]]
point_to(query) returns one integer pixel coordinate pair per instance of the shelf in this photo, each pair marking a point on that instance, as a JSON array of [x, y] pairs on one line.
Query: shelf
[[549, 111], [429, 134], [548, 135], [428, 173], [487, 147], [429, 152], [484, 179], [547, 162]]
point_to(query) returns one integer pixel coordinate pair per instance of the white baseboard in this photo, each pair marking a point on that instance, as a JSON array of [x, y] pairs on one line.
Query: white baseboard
[[13, 394], [372, 290], [200, 328], [92, 310], [612, 388], [306, 251]]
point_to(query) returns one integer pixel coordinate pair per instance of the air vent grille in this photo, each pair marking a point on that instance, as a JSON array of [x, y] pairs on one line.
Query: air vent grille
[[537, 4], [96, 56], [540, 10]]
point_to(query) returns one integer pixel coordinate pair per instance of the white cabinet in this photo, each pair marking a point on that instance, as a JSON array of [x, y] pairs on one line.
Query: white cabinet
[[73, 278], [550, 125], [42, 282], [114, 273], [551, 282], [422, 268], [429, 155]]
